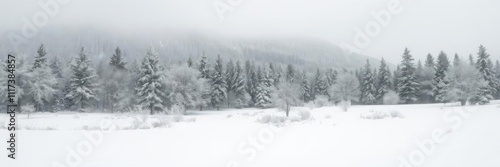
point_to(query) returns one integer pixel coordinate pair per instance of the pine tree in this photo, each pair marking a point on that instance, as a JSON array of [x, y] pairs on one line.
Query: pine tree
[[116, 93], [367, 85], [56, 67], [395, 81], [235, 84], [487, 73], [150, 85], [203, 67], [250, 81], [82, 82], [429, 61], [331, 76], [439, 83], [497, 71], [40, 59], [116, 60], [305, 89], [190, 62], [383, 81], [320, 84], [456, 60], [230, 76], [218, 84], [264, 90], [471, 60], [407, 82], [275, 74], [290, 73]]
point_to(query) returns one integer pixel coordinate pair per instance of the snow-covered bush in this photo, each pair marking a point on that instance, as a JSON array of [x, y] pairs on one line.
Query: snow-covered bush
[[139, 122], [177, 118], [374, 115], [344, 105], [321, 101], [396, 114], [192, 119], [304, 114], [28, 109], [391, 98], [272, 118], [328, 116], [163, 121]]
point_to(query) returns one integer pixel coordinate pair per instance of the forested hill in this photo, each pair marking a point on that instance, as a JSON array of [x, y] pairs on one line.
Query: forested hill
[[308, 53]]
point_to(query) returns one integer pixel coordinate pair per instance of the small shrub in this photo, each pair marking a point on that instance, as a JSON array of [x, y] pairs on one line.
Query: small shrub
[[345, 104], [139, 122], [391, 98], [375, 115], [229, 116], [88, 128], [321, 101], [304, 115], [162, 121], [192, 119], [396, 114], [178, 118], [276, 118], [328, 116]]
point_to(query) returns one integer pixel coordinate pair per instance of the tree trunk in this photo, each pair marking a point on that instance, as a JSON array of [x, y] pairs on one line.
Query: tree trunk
[[151, 109]]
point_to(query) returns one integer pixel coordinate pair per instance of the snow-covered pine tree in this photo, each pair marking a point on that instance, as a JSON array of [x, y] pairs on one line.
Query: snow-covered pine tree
[[426, 80], [383, 81], [471, 60], [290, 73], [250, 81], [497, 72], [235, 84], [264, 90], [407, 82], [331, 76], [439, 83], [304, 88], [395, 81], [320, 84], [239, 86], [367, 85], [190, 62], [218, 84], [203, 67], [82, 82], [486, 71], [230, 76], [40, 59], [275, 72], [116, 91], [456, 60], [116, 60], [429, 61], [55, 66], [150, 85]]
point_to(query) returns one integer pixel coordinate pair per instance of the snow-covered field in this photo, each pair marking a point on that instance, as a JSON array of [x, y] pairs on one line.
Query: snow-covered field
[[433, 135]]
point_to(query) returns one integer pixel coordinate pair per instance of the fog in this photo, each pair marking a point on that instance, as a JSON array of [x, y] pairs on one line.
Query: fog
[[424, 26]]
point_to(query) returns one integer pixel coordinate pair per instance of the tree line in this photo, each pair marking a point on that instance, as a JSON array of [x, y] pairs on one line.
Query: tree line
[[116, 85]]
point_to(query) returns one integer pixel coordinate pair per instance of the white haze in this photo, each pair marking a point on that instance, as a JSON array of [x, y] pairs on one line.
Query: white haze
[[424, 26]]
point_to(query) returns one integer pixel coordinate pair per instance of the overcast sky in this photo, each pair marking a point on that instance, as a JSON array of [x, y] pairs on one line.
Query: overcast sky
[[424, 26]]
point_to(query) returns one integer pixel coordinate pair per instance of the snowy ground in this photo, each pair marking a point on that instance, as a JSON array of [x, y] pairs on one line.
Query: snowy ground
[[433, 135]]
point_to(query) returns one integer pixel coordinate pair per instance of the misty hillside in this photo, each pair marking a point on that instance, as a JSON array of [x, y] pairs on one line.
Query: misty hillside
[[308, 53]]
